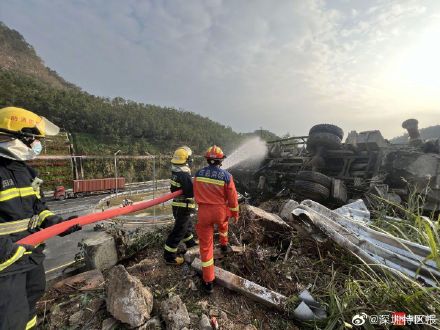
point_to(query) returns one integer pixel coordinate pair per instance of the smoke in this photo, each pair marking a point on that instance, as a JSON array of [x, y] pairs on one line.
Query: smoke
[[253, 150]]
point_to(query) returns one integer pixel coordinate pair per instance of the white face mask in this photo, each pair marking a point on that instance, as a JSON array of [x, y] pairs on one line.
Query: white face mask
[[17, 150], [37, 147]]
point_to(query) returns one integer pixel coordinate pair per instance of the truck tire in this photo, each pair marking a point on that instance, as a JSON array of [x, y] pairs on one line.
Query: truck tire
[[314, 177], [326, 140], [327, 128], [311, 190]]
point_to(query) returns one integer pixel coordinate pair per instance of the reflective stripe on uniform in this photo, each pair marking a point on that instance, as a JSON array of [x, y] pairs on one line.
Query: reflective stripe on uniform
[[11, 193], [14, 227], [170, 249], [17, 255], [179, 204], [212, 181], [225, 234], [188, 238], [43, 215], [175, 184], [234, 208], [208, 263], [32, 323]]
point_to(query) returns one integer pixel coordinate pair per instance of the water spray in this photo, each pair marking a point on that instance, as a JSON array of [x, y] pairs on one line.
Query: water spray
[[253, 150]]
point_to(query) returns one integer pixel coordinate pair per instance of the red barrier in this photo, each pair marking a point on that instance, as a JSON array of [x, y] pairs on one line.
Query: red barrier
[[47, 233]]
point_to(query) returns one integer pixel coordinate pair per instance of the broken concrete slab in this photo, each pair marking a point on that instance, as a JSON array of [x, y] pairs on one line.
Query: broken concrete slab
[[100, 251], [128, 300], [174, 313], [244, 286], [265, 296], [90, 280], [269, 221]]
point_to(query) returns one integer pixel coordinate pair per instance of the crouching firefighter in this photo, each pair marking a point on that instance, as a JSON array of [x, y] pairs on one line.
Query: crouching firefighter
[[183, 206], [22, 212], [216, 197]]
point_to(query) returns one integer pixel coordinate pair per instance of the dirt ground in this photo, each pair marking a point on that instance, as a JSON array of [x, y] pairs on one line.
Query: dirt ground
[[264, 261]]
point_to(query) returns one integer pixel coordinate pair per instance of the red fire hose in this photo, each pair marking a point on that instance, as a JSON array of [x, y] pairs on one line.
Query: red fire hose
[[47, 233]]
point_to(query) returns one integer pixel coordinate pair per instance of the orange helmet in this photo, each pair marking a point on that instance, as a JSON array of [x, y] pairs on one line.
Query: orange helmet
[[214, 153]]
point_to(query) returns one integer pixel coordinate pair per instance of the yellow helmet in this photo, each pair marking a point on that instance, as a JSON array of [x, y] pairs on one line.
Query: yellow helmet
[[182, 156], [21, 122]]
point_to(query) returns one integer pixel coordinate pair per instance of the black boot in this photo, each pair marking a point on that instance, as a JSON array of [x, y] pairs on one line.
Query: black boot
[[191, 243], [226, 249], [208, 287], [172, 258]]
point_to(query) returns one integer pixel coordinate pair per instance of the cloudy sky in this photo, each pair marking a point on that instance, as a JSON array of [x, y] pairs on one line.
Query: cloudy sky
[[282, 65]]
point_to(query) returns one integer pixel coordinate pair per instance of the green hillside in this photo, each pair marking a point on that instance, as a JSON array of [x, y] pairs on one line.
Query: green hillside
[[99, 125]]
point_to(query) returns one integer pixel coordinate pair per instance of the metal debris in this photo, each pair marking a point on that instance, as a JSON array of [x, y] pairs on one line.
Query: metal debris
[[307, 310], [402, 257]]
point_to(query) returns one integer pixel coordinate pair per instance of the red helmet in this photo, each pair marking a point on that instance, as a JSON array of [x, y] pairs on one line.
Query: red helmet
[[214, 153]]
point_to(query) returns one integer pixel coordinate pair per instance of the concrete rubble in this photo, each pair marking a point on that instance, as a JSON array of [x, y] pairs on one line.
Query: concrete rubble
[[152, 324], [269, 221], [100, 252], [308, 309], [402, 257], [174, 313], [128, 300], [110, 324], [90, 280], [205, 323]]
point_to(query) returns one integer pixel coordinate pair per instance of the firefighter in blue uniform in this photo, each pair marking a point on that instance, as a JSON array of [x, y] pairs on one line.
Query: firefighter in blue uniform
[[183, 206], [22, 212]]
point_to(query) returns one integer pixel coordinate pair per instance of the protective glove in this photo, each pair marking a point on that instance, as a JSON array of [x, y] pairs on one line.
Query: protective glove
[[71, 229]]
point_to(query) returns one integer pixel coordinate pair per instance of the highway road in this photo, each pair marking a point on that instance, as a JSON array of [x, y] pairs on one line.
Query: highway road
[[61, 251]]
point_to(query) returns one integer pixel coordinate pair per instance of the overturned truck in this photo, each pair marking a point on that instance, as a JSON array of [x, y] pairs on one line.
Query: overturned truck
[[323, 168]]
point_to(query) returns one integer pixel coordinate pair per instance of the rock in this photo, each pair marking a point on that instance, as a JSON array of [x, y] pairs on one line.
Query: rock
[[90, 280], [203, 305], [76, 318], [174, 313], [223, 316], [250, 327], [214, 312], [286, 211], [127, 299], [152, 324], [194, 319], [192, 286], [110, 324], [205, 324], [144, 266], [100, 251]]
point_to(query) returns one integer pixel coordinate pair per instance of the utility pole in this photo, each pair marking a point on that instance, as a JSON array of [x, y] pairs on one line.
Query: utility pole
[[116, 173]]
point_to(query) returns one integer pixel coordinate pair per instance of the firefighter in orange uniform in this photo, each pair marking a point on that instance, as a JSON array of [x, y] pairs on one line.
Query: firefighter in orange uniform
[[216, 196]]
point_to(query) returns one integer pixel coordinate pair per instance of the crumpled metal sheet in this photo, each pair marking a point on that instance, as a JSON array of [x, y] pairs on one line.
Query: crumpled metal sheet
[[402, 257], [357, 211], [309, 309]]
